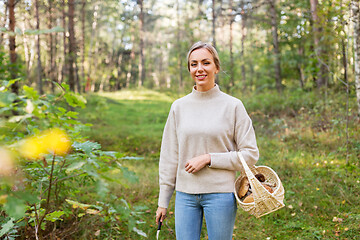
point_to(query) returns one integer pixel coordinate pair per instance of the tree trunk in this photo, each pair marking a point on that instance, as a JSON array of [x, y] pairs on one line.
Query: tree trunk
[[355, 6], [242, 51], [72, 44], [83, 40], [131, 60], [232, 82], [178, 43], [51, 73], [89, 79], [65, 60], [213, 24], [321, 78], [141, 36], [12, 46], [274, 31], [37, 37]]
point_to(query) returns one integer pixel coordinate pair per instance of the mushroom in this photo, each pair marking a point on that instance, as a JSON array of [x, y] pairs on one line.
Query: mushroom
[[244, 187], [260, 177], [270, 190], [249, 199]]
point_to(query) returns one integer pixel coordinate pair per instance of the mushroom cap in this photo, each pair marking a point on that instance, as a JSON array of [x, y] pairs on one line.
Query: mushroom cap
[[270, 190], [244, 187], [260, 177], [249, 199]]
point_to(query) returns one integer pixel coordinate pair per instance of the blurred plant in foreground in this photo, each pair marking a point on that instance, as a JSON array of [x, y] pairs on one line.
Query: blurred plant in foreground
[[46, 166]]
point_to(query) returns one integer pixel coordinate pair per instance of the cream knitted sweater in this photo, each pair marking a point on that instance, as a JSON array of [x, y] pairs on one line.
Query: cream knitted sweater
[[199, 123]]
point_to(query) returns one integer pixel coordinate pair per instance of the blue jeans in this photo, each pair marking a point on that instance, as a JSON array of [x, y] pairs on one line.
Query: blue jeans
[[219, 209]]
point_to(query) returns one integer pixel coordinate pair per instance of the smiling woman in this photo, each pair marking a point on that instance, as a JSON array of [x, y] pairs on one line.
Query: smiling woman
[[203, 65], [203, 69], [203, 134]]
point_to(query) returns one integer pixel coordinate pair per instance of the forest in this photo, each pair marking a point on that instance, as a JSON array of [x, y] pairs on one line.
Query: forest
[[86, 87]]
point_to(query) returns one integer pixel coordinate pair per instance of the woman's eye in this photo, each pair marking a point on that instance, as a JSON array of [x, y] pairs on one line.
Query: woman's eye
[[193, 64], [206, 63]]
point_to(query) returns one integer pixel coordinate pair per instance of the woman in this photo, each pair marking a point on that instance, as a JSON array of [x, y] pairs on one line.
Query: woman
[[198, 157]]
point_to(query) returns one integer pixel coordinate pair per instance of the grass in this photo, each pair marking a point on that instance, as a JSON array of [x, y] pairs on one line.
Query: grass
[[305, 145]]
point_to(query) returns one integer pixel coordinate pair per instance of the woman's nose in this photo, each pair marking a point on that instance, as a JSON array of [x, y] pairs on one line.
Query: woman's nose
[[200, 67]]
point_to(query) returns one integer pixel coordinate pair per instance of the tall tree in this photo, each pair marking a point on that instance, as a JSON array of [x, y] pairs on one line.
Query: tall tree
[[141, 36], [72, 45], [178, 44], [231, 22], [355, 6], [82, 45], [37, 36], [275, 37], [64, 69], [52, 62], [12, 45], [213, 23], [321, 79]]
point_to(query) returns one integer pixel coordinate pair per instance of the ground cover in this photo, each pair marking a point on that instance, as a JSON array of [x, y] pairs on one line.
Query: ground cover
[[303, 141]]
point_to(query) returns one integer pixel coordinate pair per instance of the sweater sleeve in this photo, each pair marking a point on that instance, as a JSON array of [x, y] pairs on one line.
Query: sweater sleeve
[[245, 140], [168, 161]]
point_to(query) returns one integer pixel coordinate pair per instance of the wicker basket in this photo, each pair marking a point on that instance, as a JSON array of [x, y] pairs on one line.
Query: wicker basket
[[264, 201]]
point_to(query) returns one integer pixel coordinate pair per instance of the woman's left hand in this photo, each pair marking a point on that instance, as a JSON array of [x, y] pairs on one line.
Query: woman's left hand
[[197, 163]]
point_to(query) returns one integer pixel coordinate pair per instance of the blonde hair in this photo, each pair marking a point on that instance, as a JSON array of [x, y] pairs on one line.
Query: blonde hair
[[208, 47]]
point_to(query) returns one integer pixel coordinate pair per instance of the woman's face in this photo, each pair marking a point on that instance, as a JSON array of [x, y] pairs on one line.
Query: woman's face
[[202, 69]]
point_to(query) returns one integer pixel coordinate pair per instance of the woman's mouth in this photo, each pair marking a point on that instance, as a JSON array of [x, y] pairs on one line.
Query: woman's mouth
[[200, 77]]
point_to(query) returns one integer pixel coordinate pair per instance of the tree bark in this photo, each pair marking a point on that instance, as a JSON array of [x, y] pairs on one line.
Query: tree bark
[[274, 31], [321, 78], [355, 6], [141, 36], [64, 70], [213, 24], [12, 46], [37, 37], [232, 82], [178, 43], [72, 44], [52, 68], [242, 51], [83, 40], [89, 79]]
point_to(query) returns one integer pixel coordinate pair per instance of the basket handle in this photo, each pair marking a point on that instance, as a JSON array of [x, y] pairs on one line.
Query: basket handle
[[247, 170]]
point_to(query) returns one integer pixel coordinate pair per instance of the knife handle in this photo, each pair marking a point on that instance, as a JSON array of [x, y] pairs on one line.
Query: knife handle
[[159, 225]]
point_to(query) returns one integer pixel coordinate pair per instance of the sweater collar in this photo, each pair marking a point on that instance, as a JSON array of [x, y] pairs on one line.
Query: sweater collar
[[208, 94]]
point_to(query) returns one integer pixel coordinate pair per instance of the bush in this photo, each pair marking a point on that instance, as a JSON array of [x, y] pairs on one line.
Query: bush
[[47, 193]]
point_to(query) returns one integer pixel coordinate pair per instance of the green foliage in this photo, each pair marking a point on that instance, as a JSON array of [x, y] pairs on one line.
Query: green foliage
[[39, 191]]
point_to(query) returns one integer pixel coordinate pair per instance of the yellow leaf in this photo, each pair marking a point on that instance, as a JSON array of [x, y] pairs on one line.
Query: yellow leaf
[[92, 211], [3, 199]]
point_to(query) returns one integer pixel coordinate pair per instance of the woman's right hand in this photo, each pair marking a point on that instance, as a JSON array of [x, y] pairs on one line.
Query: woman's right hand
[[160, 214]]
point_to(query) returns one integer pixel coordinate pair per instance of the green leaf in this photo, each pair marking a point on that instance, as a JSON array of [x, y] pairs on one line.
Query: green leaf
[[74, 166], [15, 207], [7, 98], [101, 188], [54, 216], [129, 175], [76, 204], [30, 92], [5, 228], [108, 153], [87, 147]]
